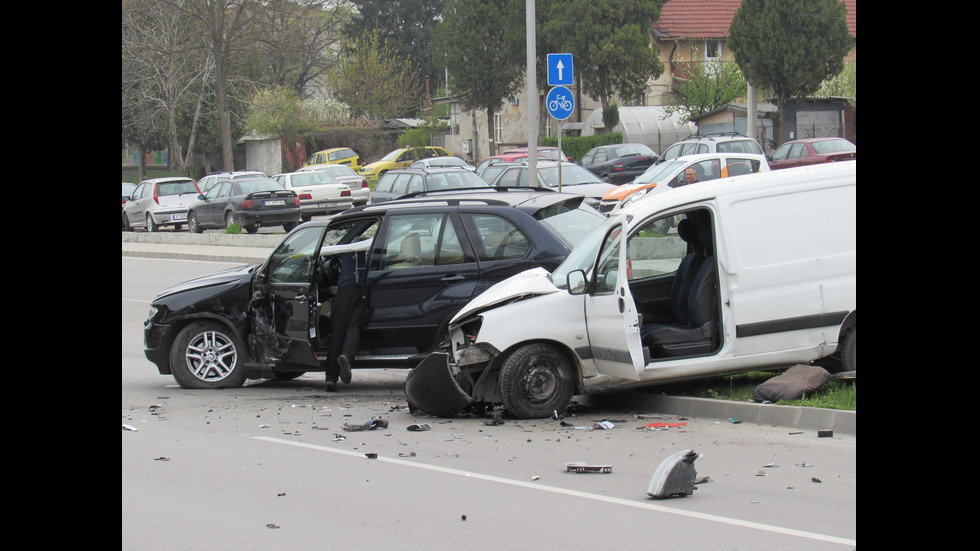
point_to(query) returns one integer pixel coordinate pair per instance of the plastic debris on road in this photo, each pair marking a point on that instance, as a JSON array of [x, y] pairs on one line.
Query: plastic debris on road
[[674, 476], [582, 467]]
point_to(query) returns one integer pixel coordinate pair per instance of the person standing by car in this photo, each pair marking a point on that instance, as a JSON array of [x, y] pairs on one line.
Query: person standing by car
[[345, 319]]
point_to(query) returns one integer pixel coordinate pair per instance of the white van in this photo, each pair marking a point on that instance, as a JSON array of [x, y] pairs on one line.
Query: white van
[[755, 272]]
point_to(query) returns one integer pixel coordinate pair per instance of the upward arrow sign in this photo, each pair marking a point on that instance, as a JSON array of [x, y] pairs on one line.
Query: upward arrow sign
[[557, 63]]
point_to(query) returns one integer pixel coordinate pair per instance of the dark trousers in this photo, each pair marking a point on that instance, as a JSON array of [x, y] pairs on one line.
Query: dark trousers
[[345, 327]]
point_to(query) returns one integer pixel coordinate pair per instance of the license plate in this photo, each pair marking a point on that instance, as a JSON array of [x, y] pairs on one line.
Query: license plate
[[322, 205], [275, 203], [175, 217]]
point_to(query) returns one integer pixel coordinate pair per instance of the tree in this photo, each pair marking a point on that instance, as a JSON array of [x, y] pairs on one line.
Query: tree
[[229, 32], [405, 26], [610, 42], [373, 82], [299, 40], [483, 43], [706, 86], [789, 47]]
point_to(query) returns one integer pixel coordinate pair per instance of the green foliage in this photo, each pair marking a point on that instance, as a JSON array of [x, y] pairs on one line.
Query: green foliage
[[610, 116], [708, 85], [374, 82], [844, 84], [575, 147], [790, 46], [234, 228], [421, 136], [835, 394], [276, 112]]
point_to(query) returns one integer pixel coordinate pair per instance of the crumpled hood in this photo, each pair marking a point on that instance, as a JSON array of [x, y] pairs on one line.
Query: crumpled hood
[[224, 276], [529, 282]]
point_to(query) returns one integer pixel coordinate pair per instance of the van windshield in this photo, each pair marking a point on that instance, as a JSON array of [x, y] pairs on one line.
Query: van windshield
[[583, 255]]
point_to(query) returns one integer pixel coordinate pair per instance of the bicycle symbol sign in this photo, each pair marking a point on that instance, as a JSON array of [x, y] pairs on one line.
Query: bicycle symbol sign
[[560, 102]]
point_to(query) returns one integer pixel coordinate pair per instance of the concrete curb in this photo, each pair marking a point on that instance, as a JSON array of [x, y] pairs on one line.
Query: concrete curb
[[255, 248]]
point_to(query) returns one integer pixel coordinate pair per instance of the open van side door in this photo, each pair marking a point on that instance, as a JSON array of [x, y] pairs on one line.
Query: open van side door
[[610, 313]]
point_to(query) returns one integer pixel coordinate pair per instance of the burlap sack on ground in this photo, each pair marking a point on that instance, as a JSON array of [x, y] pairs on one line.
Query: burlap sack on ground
[[791, 384]]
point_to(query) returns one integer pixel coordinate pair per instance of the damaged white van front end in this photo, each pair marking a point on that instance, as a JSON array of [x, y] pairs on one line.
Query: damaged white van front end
[[754, 272]]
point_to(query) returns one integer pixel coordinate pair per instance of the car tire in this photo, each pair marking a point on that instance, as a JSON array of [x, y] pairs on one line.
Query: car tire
[[289, 227], [151, 226], [535, 381], [125, 223], [229, 220], [848, 350], [252, 228], [207, 354], [192, 225]]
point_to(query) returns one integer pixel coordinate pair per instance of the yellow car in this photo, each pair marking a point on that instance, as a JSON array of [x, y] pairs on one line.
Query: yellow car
[[399, 158], [336, 156]]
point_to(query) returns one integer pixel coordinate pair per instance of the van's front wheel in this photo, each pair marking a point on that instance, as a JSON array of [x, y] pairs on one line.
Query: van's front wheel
[[535, 382]]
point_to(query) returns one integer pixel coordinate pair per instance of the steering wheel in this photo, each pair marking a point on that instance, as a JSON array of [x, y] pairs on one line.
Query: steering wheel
[[330, 268]]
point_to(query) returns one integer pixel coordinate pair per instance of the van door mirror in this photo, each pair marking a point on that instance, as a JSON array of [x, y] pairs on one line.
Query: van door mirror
[[576, 282]]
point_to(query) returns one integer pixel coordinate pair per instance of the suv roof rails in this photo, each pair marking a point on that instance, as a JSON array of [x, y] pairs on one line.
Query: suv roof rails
[[491, 189], [709, 135]]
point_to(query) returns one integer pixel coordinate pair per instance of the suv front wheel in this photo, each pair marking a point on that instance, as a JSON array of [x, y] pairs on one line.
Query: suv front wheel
[[206, 354]]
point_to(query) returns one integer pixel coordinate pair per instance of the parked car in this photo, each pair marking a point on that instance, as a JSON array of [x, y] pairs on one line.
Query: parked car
[[618, 163], [399, 158], [248, 202], [319, 193], [426, 258], [574, 179], [494, 160], [407, 181], [491, 170], [550, 152], [205, 184], [160, 202], [760, 274], [439, 162], [811, 151], [336, 155], [723, 142], [127, 191], [360, 192], [670, 175]]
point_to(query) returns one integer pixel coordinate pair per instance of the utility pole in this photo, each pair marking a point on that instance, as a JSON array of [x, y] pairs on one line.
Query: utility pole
[[532, 97]]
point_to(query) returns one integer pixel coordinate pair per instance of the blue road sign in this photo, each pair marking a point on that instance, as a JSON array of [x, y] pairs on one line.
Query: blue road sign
[[560, 102], [560, 70]]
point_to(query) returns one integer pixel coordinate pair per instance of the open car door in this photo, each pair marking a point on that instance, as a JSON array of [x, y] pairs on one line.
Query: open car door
[[610, 313], [283, 308]]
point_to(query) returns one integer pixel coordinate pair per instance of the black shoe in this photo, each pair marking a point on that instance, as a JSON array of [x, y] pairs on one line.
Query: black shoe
[[331, 386], [344, 369]]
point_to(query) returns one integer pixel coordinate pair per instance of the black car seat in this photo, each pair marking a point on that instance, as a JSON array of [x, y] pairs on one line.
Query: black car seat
[[681, 287], [697, 334]]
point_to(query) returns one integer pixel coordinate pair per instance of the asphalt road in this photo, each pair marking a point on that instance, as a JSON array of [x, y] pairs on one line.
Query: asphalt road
[[270, 465]]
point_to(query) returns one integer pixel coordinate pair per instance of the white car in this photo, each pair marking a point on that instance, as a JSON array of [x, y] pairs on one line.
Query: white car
[[572, 179], [442, 162], [671, 174], [760, 274], [160, 202], [359, 190], [318, 192]]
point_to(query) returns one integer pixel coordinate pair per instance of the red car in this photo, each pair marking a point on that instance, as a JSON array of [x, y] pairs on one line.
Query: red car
[[812, 151]]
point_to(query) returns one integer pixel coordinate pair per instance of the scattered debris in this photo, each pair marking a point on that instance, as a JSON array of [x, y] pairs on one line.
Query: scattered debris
[[674, 476], [371, 455], [403, 454], [664, 425], [734, 421], [130, 427], [701, 480], [817, 480], [369, 425], [272, 526], [463, 518], [280, 494], [535, 477], [264, 426], [495, 421], [825, 433], [162, 459], [601, 425], [582, 467], [420, 426]]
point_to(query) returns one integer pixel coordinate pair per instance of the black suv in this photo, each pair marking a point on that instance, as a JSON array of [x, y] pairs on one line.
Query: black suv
[[406, 181], [427, 257]]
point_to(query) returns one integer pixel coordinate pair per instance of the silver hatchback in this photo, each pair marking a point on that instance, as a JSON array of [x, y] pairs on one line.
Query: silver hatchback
[[160, 202]]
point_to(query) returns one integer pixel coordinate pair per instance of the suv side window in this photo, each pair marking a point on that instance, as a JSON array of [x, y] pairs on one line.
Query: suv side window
[[413, 239], [498, 238]]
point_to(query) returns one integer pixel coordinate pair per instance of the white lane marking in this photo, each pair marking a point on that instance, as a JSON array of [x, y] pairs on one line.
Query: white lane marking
[[575, 493]]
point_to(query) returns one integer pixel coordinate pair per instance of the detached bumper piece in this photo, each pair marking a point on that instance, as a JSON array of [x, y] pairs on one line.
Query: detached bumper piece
[[431, 388], [674, 477]]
